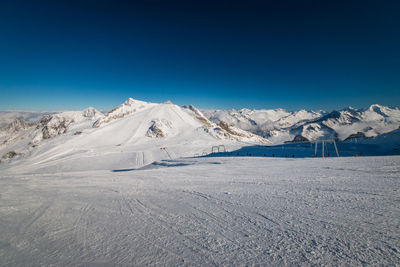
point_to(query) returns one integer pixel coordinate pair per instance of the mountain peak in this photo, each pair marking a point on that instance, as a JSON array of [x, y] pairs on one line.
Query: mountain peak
[[375, 107], [129, 101], [16, 126], [128, 107], [91, 112]]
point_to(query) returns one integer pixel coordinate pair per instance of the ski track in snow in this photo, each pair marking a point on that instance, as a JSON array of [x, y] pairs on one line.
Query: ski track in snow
[[206, 212]]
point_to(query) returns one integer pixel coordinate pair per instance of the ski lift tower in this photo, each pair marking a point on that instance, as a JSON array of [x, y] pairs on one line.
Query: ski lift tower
[[218, 149], [324, 143]]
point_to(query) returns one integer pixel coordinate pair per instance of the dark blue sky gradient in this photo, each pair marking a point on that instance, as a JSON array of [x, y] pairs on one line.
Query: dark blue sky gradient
[[213, 54]]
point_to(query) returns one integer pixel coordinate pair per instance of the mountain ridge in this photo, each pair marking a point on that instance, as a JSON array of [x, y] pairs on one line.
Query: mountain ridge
[[139, 125], [134, 129], [281, 126]]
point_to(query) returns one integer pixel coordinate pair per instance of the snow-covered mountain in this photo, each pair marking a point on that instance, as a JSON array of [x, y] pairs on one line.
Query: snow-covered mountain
[[168, 120], [135, 130], [23, 137], [281, 126], [128, 107], [347, 123], [263, 122], [138, 132], [8, 116]]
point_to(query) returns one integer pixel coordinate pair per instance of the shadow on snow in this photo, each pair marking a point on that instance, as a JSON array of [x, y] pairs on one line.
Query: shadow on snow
[[307, 150], [165, 164], [292, 150]]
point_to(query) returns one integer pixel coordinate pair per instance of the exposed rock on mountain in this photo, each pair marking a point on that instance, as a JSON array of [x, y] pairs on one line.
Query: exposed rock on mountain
[[92, 113], [54, 125], [31, 117], [10, 155], [262, 122], [51, 126], [280, 126], [128, 107], [142, 132], [22, 136], [342, 124], [222, 130], [159, 128], [15, 126]]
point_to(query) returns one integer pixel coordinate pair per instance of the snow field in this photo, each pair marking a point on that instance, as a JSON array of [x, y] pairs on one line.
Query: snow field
[[205, 212]]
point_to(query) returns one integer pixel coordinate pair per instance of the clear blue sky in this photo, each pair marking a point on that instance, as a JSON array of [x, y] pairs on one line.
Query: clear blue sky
[[213, 54]]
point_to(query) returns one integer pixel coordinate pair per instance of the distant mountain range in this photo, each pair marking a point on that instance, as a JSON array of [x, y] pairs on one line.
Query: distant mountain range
[[151, 131], [280, 125]]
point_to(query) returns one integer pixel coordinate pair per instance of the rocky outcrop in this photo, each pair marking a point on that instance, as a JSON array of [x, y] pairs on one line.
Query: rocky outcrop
[[234, 133], [54, 126], [91, 113], [159, 128], [222, 130], [16, 126], [198, 115], [10, 155], [298, 139], [357, 135]]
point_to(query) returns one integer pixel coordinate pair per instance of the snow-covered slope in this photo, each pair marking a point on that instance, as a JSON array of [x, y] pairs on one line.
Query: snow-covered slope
[[229, 211], [390, 140], [128, 107], [57, 124], [22, 138], [145, 132], [135, 130], [138, 121], [280, 126]]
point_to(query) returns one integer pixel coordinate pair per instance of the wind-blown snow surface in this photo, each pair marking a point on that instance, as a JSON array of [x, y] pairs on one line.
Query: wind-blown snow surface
[[205, 211]]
